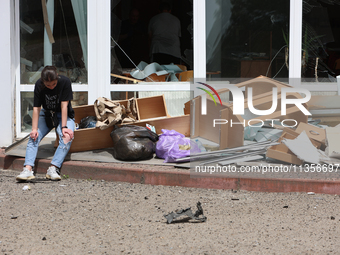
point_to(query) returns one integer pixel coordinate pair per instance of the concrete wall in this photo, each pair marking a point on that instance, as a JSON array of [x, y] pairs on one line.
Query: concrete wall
[[7, 72]]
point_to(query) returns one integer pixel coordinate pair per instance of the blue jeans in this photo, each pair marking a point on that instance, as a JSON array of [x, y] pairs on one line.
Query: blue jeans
[[43, 130]]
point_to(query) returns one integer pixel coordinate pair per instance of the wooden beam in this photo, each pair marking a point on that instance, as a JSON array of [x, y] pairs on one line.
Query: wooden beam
[[47, 24], [126, 78]]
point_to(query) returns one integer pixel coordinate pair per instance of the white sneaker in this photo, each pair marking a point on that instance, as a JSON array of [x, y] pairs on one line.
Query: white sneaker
[[52, 173], [25, 175]]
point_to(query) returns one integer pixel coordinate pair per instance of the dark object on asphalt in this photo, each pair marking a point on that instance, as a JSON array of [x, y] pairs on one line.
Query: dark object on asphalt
[[286, 206], [132, 143], [187, 212], [88, 122]]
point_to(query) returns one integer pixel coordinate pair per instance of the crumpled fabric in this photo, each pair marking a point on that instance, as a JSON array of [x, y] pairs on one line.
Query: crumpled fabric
[[144, 70], [173, 145]]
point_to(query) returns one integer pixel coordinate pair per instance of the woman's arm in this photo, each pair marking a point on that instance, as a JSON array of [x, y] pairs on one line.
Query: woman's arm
[[66, 131], [35, 119]]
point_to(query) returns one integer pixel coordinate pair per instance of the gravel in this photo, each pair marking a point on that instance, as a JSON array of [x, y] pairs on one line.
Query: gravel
[[99, 217]]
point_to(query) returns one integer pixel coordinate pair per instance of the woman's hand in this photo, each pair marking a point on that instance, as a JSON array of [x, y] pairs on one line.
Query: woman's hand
[[34, 134], [67, 133]]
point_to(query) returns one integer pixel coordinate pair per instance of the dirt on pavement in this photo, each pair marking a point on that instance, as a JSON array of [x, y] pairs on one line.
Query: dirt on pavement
[[99, 217]]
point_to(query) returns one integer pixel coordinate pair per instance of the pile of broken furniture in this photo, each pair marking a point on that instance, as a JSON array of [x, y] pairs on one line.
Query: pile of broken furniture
[[284, 144], [309, 141]]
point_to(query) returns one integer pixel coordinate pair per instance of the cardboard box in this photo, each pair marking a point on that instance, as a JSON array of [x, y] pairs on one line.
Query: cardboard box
[[281, 151], [313, 132], [150, 110]]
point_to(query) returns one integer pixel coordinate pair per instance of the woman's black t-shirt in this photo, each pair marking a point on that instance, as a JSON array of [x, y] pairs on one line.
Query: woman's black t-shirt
[[51, 99]]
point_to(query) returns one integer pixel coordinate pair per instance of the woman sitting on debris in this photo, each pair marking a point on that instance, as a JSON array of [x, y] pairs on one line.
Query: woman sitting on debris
[[54, 93]]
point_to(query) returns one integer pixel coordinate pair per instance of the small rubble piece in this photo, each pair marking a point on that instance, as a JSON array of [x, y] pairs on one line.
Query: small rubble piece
[[26, 187], [187, 212]]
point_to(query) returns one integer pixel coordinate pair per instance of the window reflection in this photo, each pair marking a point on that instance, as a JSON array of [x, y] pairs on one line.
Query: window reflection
[[320, 40], [79, 98], [135, 38], [246, 38], [69, 31]]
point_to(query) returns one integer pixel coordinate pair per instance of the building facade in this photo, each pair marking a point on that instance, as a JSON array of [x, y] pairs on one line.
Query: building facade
[[292, 39]]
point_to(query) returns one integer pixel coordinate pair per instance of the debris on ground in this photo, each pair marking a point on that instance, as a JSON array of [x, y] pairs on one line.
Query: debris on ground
[[26, 187], [187, 212]]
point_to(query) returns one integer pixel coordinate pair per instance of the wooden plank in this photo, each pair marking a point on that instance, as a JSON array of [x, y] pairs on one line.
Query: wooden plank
[[82, 112], [277, 152], [281, 151], [47, 24], [187, 107], [126, 78], [151, 107], [165, 107], [91, 139]]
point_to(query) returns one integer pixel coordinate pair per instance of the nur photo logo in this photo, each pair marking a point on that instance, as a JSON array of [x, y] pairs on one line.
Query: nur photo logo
[[208, 92], [239, 100]]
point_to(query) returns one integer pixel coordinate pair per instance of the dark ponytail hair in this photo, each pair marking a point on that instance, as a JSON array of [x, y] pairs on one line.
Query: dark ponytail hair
[[49, 73]]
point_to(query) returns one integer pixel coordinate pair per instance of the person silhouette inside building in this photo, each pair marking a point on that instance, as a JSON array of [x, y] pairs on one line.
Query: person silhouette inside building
[[164, 33]]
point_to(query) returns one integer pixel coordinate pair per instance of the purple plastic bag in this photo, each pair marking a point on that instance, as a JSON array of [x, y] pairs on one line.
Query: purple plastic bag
[[172, 145]]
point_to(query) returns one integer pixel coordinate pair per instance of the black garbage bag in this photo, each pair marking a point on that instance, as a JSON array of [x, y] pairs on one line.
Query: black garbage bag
[[133, 143], [88, 122]]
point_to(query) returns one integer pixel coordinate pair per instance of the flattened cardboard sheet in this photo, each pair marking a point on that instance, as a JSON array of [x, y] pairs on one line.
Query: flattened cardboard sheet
[[333, 142], [303, 148]]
